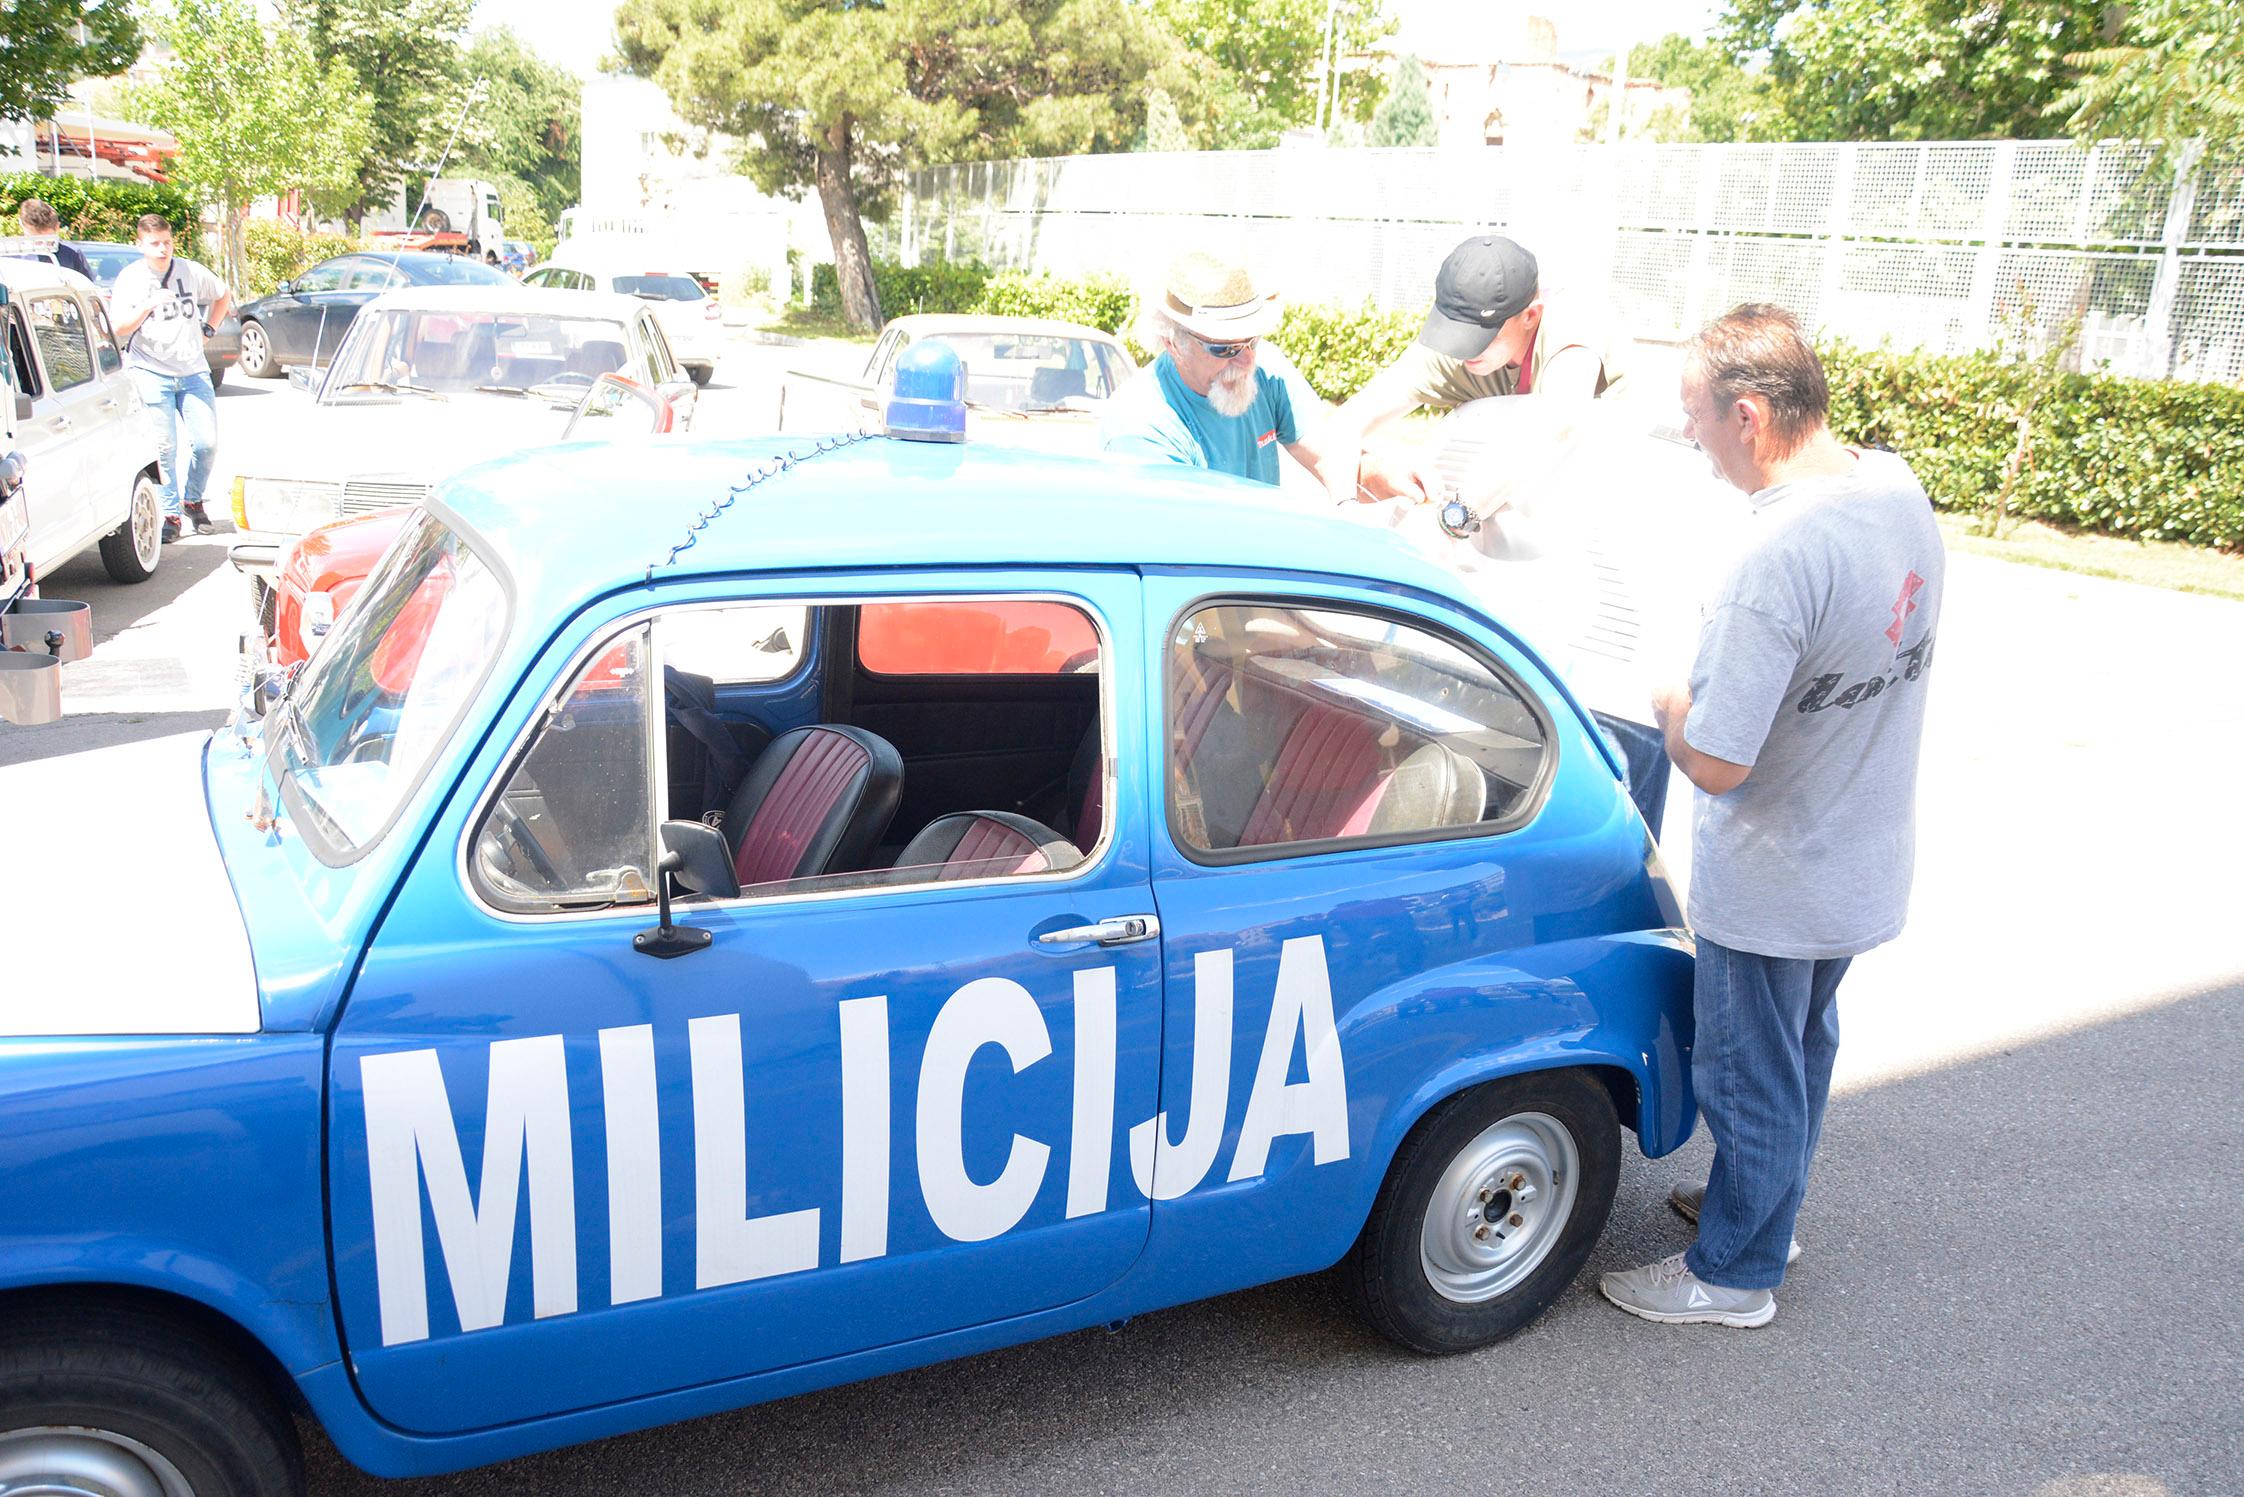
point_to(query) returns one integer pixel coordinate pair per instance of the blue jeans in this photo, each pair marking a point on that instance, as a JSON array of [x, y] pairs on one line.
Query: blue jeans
[[1767, 1032], [1644, 753], [185, 409]]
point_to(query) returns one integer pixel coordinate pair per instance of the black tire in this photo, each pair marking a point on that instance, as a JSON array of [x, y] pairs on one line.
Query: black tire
[[133, 550], [256, 360], [1386, 1272], [218, 376], [701, 374], [117, 1377]]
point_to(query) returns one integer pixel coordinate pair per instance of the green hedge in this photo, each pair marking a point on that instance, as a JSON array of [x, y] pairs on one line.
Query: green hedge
[[2152, 459], [1339, 349], [905, 290], [273, 252], [104, 209], [1103, 302]]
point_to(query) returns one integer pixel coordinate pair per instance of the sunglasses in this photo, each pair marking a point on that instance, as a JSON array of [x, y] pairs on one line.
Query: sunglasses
[[1223, 351]]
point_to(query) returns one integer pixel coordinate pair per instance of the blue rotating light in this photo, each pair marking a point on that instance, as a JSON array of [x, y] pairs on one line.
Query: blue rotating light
[[927, 403]]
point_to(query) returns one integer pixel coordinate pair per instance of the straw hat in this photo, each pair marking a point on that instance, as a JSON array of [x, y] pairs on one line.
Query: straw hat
[[1218, 300]]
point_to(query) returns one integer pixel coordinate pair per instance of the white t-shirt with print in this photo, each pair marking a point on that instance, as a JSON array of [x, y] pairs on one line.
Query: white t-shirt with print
[[171, 340]]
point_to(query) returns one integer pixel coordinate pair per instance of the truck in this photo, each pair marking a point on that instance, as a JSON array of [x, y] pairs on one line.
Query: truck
[[461, 214]]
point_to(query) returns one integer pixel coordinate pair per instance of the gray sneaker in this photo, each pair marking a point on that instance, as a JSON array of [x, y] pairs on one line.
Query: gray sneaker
[[1686, 1200], [1669, 1292]]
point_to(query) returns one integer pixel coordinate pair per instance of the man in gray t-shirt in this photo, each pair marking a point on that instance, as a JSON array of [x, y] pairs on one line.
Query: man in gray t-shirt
[[163, 308], [1800, 727]]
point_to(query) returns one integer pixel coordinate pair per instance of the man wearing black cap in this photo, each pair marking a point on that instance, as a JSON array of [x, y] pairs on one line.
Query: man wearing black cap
[[1490, 333]]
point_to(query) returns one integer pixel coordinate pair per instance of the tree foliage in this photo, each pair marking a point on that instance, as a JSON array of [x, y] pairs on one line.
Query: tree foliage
[[2175, 70], [526, 127], [1406, 116], [405, 56], [846, 97], [1267, 58], [255, 116], [1912, 69], [42, 52], [1727, 102]]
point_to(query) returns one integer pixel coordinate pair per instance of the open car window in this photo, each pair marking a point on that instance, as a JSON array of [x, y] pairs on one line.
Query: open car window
[[1295, 729]]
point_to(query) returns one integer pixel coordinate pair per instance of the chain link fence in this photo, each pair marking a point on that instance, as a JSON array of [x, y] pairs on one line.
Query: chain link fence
[[1943, 246]]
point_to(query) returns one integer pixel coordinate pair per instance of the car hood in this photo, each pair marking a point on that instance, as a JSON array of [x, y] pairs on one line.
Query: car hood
[[137, 931], [411, 437]]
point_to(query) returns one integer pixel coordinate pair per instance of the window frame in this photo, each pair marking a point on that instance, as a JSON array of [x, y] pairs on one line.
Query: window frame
[[98, 319], [35, 299], [604, 638], [1522, 815], [344, 267], [19, 329]]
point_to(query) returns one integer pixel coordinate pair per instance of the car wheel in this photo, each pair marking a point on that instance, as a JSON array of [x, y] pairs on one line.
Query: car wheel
[[1488, 1212], [218, 376], [133, 549], [701, 374], [120, 1401], [257, 360]]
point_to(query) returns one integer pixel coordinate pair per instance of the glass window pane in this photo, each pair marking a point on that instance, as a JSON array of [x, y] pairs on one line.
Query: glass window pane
[[1294, 725], [758, 642], [59, 327], [1012, 637], [105, 342], [575, 825]]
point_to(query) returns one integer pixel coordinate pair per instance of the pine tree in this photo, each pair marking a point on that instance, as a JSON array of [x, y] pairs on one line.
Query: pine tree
[[1406, 116]]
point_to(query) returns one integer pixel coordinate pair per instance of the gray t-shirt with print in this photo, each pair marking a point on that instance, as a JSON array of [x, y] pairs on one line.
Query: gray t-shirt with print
[[1812, 668], [171, 340]]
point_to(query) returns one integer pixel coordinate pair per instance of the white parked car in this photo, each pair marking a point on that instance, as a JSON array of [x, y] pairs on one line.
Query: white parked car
[[629, 266], [90, 459], [433, 379]]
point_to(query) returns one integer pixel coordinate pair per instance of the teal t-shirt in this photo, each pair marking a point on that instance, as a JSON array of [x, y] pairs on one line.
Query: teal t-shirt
[[1158, 416]]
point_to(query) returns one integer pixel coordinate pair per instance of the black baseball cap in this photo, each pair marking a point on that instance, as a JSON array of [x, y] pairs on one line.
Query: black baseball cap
[[1486, 282]]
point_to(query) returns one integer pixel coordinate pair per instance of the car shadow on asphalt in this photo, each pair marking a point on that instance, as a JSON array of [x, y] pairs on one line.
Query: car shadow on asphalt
[[1960, 1323], [119, 606]]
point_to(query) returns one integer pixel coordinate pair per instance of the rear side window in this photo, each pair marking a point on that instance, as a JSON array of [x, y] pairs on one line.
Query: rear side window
[[1305, 729], [966, 638], [58, 325], [104, 341], [661, 287], [19, 355]]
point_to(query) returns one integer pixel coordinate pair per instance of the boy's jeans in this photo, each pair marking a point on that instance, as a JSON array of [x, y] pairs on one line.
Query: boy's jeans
[[184, 408], [1767, 1032]]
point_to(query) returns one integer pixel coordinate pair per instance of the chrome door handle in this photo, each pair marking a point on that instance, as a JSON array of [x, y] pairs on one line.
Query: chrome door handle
[[1120, 930], [59, 423], [110, 404]]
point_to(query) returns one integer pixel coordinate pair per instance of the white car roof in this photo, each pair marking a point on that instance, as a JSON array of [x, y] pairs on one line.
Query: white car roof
[[936, 324], [38, 275], [551, 301]]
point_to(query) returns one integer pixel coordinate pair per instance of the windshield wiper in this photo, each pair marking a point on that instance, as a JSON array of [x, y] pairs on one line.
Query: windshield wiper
[[385, 388]]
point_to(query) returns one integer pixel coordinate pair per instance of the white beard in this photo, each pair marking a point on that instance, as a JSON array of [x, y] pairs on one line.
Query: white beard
[[1232, 392]]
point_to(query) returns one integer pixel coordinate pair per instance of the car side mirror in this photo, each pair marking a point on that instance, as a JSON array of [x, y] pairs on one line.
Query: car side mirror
[[704, 861], [23, 406], [302, 377], [284, 288]]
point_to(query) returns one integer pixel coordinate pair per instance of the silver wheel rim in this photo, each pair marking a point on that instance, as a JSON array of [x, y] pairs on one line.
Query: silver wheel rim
[[253, 348], [147, 538], [1499, 1208], [73, 1461]]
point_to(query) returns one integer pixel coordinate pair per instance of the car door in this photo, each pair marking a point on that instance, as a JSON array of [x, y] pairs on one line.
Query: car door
[[59, 509], [877, 1107], [75, 408], [121, 447], [313, 313], [1357, 809]]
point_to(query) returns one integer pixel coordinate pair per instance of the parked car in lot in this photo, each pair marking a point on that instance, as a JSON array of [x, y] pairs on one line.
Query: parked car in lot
[[305, 320], [323, 570], [690, 316], [90, 459], [1029, 382], [220, 350], [516, 255], [38, 636], [716, 920], [431, 380]]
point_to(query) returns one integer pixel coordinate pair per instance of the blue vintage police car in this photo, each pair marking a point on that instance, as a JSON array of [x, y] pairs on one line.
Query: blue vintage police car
[[710, 924]]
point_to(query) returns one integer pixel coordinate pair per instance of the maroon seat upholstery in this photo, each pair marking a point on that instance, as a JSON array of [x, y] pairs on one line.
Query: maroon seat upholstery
[[1326, 782], [815, 801], [986, 844]]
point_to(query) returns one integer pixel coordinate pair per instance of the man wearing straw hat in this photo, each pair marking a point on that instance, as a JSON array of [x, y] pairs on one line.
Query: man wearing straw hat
[[1216, 396]]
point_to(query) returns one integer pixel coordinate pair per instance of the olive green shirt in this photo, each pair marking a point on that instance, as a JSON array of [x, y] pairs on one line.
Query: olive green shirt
[[1444, 383]]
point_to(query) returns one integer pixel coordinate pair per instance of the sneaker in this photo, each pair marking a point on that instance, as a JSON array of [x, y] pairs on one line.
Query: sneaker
[[199, 519], [171, 529], [1686, 1200], [1669, 1292]]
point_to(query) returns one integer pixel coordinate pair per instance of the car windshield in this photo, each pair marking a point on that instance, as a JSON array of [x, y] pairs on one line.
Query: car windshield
[[458, 270], [108, 260], [387, 686], [1037, 371], [433, 355], [661, 287]]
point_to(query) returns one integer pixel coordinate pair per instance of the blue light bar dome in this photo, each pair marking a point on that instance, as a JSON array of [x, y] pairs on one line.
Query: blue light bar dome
[[927, 402]]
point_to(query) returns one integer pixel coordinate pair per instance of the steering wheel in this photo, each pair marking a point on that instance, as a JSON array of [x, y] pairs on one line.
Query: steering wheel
[[517, 832]]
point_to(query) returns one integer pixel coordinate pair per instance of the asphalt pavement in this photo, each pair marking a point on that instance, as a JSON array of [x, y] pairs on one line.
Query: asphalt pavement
[[2023, 1269]]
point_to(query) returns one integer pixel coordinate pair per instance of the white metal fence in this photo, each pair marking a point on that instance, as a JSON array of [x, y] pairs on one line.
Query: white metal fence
[[1948, 246]]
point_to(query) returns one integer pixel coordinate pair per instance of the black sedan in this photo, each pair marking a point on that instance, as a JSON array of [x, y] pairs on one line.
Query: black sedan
[[304, 321], [220, 349]]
